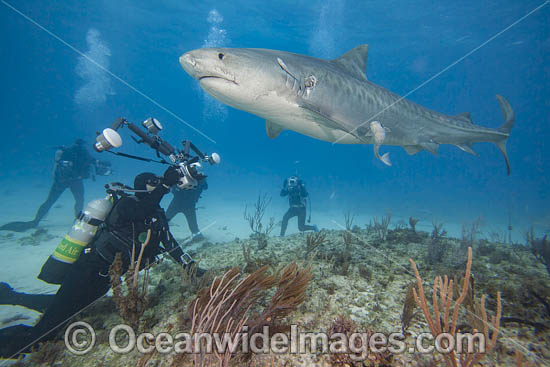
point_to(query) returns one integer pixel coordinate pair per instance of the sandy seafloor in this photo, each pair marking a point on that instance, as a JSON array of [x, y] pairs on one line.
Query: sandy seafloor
[[222, 223]]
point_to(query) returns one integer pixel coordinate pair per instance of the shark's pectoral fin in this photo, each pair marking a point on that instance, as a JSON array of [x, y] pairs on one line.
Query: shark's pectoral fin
[[321, 116], [467, 148], [324, 118], [430, 146], [413, 149], [273, 130]]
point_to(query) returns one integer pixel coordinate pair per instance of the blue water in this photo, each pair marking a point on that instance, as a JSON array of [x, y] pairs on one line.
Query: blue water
[[50, 95]]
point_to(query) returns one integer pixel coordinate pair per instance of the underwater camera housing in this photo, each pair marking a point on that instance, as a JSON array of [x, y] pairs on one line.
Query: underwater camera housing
[[292, 183], [188, 165], [103, 168]]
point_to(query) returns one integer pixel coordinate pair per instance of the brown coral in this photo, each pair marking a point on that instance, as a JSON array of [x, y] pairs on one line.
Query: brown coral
[[131, 305], [342, 326], [224, 306]]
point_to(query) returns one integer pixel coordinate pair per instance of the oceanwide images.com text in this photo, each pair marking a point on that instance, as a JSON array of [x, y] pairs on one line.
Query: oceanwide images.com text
[[80, 339]]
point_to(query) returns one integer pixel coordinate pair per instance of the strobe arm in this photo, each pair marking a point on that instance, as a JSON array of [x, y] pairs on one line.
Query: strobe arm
[[154, 142]]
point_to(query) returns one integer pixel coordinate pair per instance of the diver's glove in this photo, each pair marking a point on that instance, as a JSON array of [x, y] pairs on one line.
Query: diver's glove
[[171, 176], [189, 263]]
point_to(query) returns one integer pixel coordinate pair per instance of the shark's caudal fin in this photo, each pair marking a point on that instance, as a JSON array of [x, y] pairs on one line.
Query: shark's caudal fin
[[509, 117]]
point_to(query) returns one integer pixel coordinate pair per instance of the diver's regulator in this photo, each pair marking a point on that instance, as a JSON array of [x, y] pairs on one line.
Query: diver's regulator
[[188, 166]]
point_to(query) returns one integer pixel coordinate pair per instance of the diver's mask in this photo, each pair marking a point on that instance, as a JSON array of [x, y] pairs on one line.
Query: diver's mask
[[152, 183]]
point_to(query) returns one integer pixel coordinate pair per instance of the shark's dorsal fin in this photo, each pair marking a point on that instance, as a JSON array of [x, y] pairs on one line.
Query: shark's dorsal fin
[[272, 130], [355, 61], [465, 116]]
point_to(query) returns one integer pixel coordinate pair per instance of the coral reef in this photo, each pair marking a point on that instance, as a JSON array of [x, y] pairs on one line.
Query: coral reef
[[413, 222], [436, 245], [260, 232], [224, 306], [408, 309], [441, 322], [313, 241], [380, 228], [540, 247], [47, 353], [131, 305], [374, 294]]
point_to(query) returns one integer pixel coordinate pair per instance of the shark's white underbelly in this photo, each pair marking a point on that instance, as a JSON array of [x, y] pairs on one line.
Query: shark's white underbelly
[[289, 116]]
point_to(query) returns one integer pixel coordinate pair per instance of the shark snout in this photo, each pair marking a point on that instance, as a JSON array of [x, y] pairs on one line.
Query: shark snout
[[189, 64]]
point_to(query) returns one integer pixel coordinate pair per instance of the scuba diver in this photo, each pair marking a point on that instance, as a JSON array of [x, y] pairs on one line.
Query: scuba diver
[[185, 201], [72, 165], [294, 188], [131, 219]]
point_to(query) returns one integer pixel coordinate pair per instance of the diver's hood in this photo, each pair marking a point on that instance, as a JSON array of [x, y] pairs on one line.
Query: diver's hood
[[140, 183]]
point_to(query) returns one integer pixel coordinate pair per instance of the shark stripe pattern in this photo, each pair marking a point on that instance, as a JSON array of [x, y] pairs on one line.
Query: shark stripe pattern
[[332, 100]]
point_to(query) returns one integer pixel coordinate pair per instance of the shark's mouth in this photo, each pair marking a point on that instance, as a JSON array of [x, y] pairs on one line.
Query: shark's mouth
[[201, 78]]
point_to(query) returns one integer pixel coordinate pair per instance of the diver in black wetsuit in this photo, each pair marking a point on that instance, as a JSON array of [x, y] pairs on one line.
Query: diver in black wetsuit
[[88, 279], [185, 201], [297, 194], [72, 165]]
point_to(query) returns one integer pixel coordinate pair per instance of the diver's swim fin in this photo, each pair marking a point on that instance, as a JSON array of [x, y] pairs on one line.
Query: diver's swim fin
[[37, 302], [19, 226]]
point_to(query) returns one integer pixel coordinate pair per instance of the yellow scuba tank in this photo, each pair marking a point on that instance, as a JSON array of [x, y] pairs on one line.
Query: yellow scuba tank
[[82, 232]]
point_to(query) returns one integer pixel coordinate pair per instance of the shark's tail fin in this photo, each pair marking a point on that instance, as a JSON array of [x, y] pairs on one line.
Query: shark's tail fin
[[386, 159], [509, 117]]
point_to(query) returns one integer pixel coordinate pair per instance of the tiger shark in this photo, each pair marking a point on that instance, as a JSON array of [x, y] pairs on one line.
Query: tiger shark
[[332, 100]]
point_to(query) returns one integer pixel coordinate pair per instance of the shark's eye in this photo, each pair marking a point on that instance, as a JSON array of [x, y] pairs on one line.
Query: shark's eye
[[220, 56]]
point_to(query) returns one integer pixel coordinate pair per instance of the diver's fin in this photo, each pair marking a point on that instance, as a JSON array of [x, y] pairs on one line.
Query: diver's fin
[[465, 116], [467, 148], [18, 226], [430, 147], [272, 130], [35, 302], [509, 118], [355, 61], [412, 149]]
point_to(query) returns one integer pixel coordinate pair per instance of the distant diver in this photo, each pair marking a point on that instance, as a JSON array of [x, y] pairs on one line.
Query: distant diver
[[130, 220], [72, 165], [295, 189], [185, 201]]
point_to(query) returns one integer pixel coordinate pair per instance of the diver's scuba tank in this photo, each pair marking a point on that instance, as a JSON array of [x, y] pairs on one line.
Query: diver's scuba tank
[[82, 232]]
